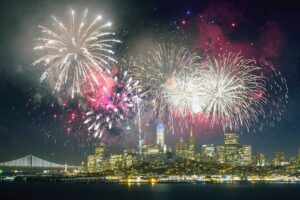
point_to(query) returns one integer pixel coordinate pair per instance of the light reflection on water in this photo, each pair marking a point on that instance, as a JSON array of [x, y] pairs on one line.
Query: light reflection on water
[[149, 191]]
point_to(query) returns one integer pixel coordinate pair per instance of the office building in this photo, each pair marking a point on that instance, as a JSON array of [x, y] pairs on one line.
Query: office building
[[231, 138], [191, 147], [160, 137], [247, 155], [278, 159]]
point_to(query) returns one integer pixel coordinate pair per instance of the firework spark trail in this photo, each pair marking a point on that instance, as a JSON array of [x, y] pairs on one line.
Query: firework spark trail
[[110, 109], [75, 51], [277, 98], [232, 90], [181, 92], [161, 73]]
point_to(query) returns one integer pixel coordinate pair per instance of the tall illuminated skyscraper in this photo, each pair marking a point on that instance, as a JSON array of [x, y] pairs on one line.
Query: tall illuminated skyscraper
[[191, 147], [247, 155], [278, 159], [231, 138], [233, 152], [261, 159], [160, 136], [180, 148]]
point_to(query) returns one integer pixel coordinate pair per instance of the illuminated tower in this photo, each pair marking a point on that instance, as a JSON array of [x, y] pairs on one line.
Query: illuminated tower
[[160, 134], [247, 155], [180, 148], [99, 158], [191, 147], [233, 153], [160, 137]]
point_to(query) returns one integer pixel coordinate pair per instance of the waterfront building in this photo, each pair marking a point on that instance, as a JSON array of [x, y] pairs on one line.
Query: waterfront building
[[233, 155], [99, 158], [100, 150], [91, 164], [247, 155], [97, 162], [220, 153], [115, 161], [278, 159], [129, 157], [208, 153], [180, 148], [261, 160], [233, 151]]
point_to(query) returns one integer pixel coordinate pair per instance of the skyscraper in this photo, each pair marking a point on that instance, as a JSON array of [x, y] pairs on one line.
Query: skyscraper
[[278, 159], [231, 138], [191, 147], [261, 159], [99, 151], [160, 136], [220, 151], [180, 148], [233, 152], [95, 162], [247, 155]]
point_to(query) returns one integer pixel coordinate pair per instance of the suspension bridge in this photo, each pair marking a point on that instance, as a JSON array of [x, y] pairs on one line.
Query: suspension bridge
[[31, 161]]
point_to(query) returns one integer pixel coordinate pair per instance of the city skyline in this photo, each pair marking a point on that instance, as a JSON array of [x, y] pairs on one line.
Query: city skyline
[[28, 117]]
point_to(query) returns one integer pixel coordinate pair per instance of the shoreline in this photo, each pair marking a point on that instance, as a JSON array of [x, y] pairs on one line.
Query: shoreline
[[149, 180]]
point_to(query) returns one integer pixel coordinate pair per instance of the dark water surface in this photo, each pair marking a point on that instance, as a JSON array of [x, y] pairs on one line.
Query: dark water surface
[[101, 191]]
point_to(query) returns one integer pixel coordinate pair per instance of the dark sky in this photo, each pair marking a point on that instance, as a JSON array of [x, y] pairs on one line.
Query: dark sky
[[26, 123]]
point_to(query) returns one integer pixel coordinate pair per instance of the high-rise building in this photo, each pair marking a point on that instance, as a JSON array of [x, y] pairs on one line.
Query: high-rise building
[[208, 150], [261, 160], [231, 138], [180, 148], [99, 157], [100, 150], [191, 147], [140, 147], [95, 162], [220, 153], [160, 136], [247, 155], [233, 155], [91, 164], [115, 161], [233, 152], [278, 159]]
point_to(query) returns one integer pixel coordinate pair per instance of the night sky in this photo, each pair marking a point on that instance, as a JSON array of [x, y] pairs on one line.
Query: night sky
[[266, 30]]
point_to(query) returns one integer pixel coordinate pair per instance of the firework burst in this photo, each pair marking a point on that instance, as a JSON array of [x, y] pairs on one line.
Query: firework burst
[[74, 51], [167, 72], [276, 96], [232, 91], [114, 103]]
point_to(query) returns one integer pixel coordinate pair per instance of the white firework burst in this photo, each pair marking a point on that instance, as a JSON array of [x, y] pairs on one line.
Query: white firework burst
[[167, 76], [232, 91], [74, 51]]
